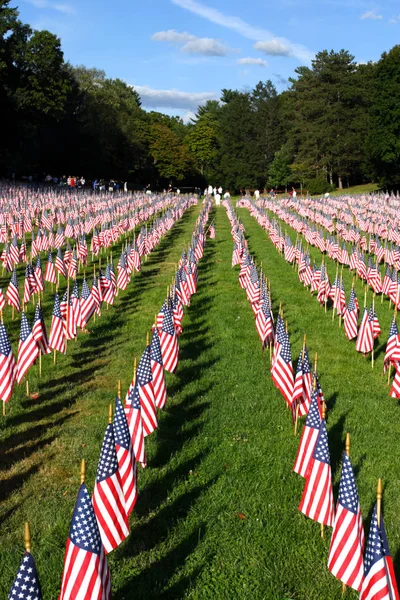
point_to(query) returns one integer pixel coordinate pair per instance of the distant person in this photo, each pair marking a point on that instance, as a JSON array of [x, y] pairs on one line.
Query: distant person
[[256, 194], [294, 193], [272, 193], [217, 199], [220, 190], [178, 191], [210, 190], [125, 186], [227, 195]]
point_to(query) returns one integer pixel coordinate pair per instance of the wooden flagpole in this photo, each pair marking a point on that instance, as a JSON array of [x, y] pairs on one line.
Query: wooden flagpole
[[83, 471], [379, 501]]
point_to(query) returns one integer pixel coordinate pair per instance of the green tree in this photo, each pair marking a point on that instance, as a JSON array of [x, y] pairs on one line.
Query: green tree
[[171, 158], [384, 137], [202, 141], [280, 173]]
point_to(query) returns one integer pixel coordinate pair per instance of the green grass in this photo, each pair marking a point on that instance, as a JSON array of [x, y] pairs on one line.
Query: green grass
[[217, 514], [364, 188]]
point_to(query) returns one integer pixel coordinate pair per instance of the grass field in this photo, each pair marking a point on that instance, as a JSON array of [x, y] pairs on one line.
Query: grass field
[[217, 514]]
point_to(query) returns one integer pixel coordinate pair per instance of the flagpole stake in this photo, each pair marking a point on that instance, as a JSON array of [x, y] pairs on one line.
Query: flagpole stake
[[27, 387], [389, 373], [110, 413], [27, 537], [4, 409], [83, 470], [119, 388], [54, 359], [40, 363], [379, 501]]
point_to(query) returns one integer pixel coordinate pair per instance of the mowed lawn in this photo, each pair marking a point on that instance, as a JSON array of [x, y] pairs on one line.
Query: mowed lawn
[[217, 514]]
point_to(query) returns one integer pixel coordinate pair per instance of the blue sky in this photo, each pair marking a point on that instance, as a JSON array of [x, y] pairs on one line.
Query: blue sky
[[179, 53]]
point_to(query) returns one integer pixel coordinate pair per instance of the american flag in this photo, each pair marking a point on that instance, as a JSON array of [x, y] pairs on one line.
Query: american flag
[[28, 350], [50, 274], [379, 578], [2, 300], [8, 369], [169, 342], [108, 496], [317, 499], [347, 544], [392, 353], [134, 417], [309, 436], [157, 369], [87, 303], [76, 305], [302, 384], [37, 272], [57, 333], [365, 338], [12, 293], [126, 457], [26, 585], [351, 317], [282, 370], [86, 574], [60, 265], [39, 331], [144, 380]]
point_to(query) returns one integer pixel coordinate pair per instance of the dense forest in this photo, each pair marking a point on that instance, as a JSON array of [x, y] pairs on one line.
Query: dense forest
[[337, 124]]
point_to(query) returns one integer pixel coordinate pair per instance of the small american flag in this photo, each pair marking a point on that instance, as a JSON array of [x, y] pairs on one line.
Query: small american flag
[[309, 436], [28, 350], [26, 585], [126, 457], [379, 578], [347, 544], [108, 497], [282, 370], [169, 343], [86, 574], [317, 499], [57, 334], [134, 417], [144, 380], [39, 331], [8, 369], [157, 369], [12, 293]]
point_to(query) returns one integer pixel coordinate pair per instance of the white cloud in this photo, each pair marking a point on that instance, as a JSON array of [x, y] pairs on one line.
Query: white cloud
[[188, 116], [274, 48], [252, 61], [66, 9], [371, 14], [242, 28], [153, 98], [395, 19], [191, 43]]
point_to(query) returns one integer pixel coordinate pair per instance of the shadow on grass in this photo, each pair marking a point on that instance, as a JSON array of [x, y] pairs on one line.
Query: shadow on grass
[[153, 580]]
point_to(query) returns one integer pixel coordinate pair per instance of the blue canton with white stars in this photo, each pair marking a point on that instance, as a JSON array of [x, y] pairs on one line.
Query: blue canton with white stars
[[108, 462], [134, 398], [121, 429], [5, 346], [25, 330], [348, 495], [285, 350], [84, 532], [377, 546], [144, 374], [26, 585], [155, 349], [57, 311], [168, 324], [313, 418], [321, 450]]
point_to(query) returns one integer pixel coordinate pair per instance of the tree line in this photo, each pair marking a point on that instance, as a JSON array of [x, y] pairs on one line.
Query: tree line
[[337, 124]]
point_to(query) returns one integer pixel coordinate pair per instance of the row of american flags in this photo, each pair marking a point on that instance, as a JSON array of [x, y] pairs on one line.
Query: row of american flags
[[366, 568], [317, 279], [72, 310], [100, 523]]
